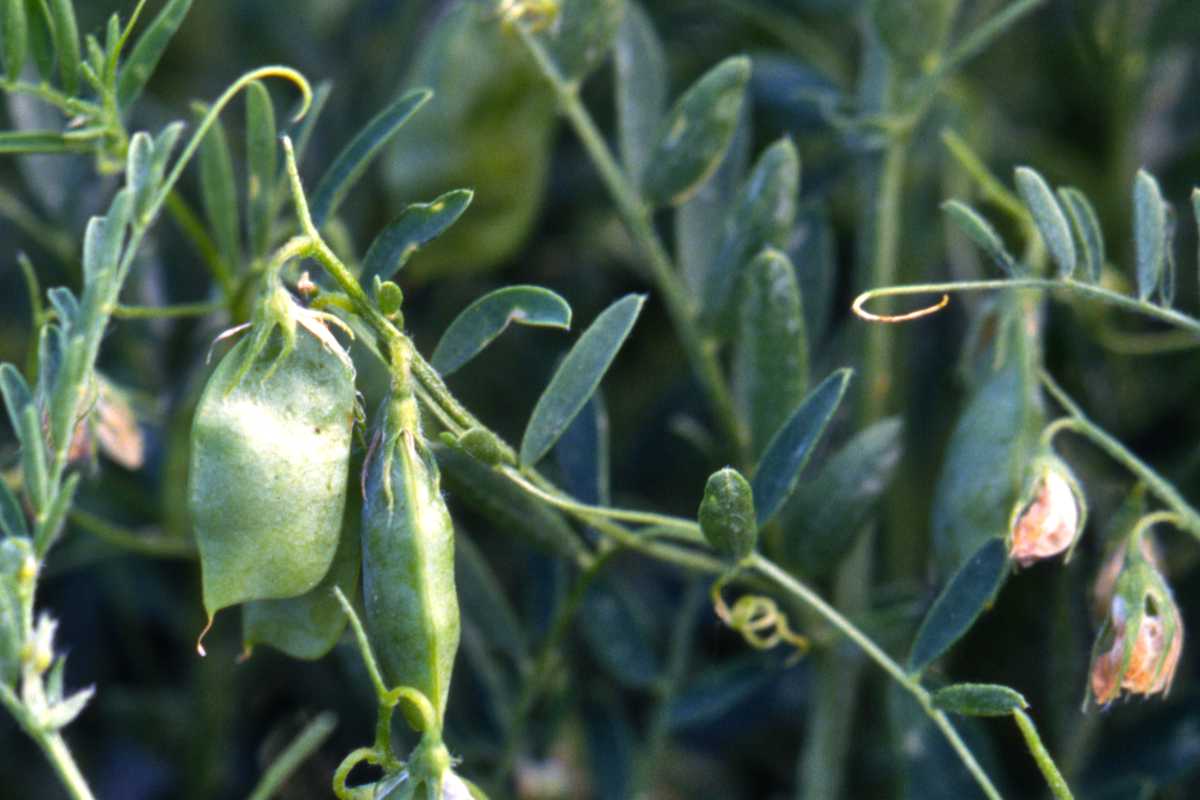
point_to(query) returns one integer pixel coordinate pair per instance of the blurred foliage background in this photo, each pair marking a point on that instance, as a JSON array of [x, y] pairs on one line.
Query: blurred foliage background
[[653, 695]]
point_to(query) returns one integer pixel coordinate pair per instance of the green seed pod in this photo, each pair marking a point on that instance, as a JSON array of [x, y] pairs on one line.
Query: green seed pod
[[269, 464], [408, 559], [727, 514], [482, 445]]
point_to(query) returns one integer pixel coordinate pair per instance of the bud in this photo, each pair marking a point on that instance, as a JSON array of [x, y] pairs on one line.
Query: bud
[[1051, 514], [1106, 579], [1141, 640], [726, 514]]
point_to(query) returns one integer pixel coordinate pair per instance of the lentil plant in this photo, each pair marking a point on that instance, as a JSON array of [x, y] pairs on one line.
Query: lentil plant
[[709, 519]]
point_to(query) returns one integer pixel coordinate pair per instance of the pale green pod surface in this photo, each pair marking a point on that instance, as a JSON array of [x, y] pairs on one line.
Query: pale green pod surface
[[408, 562], [269, 464], [309, 625]]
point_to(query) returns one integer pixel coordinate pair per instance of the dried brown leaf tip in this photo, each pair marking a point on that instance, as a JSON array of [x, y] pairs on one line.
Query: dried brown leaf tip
[[1140, 643], [1050, 517]]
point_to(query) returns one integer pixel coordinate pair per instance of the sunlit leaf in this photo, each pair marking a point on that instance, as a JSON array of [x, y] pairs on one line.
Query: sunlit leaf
[[354, 158], [695, 134], [980, 231], [262, 167], [486, 318], [578, 376], [641, 87], [1149, 233], [152, 43], [1049, 218], [1087, 230], [417, 225], [582, 34]]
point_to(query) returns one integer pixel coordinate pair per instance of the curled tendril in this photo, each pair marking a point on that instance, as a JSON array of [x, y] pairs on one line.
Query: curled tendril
[[758, 619], [866, 297]]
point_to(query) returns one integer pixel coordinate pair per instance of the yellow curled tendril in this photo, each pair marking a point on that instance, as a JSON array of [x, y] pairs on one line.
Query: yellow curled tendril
[[865, 297], [539, 14], [758, 619]]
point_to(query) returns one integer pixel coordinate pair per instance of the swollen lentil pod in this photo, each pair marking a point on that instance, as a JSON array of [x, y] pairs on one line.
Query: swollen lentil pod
[[408, 558], [269, 465]]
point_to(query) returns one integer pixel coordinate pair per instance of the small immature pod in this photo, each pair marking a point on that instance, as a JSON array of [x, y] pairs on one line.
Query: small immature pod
[[1051, 514], [408, 559], [726, 514]]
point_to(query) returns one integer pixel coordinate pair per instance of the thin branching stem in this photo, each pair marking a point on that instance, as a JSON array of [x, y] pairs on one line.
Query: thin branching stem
[[1078, 422], [701, 351]]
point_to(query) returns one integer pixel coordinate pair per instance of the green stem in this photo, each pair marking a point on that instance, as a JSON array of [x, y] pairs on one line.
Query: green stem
[[167, 312], [794, 587], [51, 744], [153, 546], [1189, 517], [191, 226], [304, 745], [72, 106], [701, 352], [1041, 756], [1068, 286], [979, 40]]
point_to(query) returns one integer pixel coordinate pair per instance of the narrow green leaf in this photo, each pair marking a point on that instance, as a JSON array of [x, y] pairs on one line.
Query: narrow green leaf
[[262, 167], [164, 143], [1049, 218], [978, 700], [1166, 286], [66, 42], [149, 49], [984, 465], [762, 215], [16, 394], [309, 625], [578, 376], [68, 389], [12, 517], [16, 38], [218, 193], [34, 461], [700, 222], [104, 237], [509, 509], [350, 164], [52, 348], [1087, 231], [582, 35], [968, 594], [617, 633], [139, 168], [778, 471], [770, 359], [487, 317], [822, 519], [417, 225], [65, 305], [695, 134], [981, 232], [41, 37], [51, 522], [1149, 232], [41, 142], [641, 88]]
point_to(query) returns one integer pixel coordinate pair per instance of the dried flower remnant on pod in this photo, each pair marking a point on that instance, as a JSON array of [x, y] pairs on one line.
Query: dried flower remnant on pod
[[1139, 646], [1048, 521]]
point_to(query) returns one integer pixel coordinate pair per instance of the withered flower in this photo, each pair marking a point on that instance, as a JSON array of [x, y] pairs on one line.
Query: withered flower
[[1140, 643], [1050, 516]]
